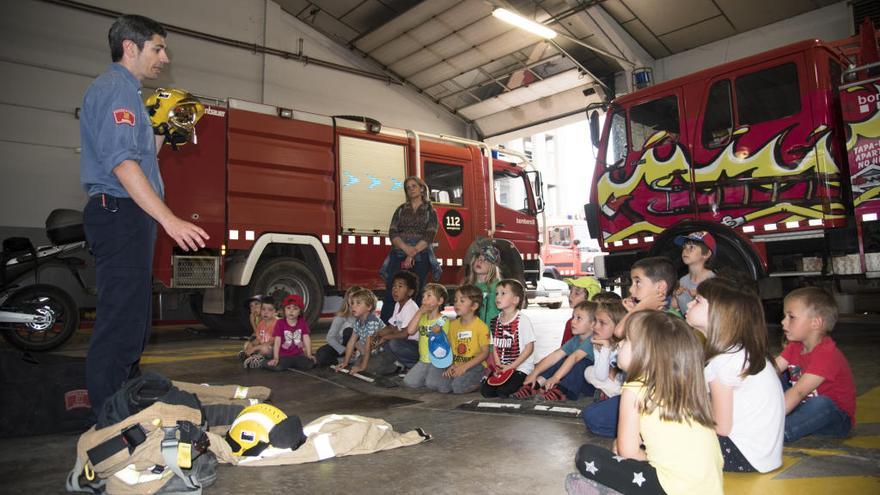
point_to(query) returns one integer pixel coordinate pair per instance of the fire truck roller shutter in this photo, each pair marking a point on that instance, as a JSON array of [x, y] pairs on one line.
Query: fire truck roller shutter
[[734, 256], [510, 263], [282, 276]]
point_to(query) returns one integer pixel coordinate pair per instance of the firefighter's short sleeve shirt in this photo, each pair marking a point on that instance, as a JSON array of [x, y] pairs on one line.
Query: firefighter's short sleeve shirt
[[114, 127]]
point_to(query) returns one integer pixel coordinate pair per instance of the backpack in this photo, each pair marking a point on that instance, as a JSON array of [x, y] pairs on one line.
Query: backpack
[[151, 437]]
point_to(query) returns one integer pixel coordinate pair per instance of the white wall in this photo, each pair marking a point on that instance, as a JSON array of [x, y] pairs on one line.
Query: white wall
[[828, 23], [49, 54]]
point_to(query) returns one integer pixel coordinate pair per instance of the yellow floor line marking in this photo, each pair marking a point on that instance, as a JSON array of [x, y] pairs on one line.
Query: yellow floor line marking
[[868, 406], [760, 484], [815, 452], [226, 349], [865, 442], [800, 486]]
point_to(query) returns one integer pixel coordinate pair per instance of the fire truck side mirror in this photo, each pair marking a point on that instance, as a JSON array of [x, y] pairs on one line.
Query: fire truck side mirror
[[539, 193], [594, 128]]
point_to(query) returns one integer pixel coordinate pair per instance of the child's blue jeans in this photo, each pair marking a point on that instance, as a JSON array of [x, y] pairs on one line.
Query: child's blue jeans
[[574, 384], [601, 417], [817, 416]]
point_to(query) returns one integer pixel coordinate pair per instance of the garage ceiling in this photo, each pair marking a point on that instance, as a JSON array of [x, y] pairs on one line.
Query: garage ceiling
[[499, 77]]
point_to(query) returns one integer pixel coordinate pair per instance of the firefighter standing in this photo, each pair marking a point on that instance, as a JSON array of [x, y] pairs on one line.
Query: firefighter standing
[[120, 172]]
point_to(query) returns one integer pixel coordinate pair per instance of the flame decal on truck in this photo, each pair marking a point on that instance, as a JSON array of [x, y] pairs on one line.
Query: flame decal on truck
[[757, 190]]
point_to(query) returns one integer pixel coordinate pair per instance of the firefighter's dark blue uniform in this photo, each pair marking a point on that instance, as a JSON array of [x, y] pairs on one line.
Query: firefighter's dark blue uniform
[[114, 127]]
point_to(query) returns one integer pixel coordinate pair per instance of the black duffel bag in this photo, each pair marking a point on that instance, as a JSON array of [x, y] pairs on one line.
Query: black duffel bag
[[42, 394]]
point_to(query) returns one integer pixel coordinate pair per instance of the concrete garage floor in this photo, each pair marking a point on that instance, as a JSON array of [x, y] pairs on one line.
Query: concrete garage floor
[[471, 452]]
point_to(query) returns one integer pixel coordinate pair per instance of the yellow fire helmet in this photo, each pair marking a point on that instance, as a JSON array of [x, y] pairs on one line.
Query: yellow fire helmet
[[174, 113], [260, 425]]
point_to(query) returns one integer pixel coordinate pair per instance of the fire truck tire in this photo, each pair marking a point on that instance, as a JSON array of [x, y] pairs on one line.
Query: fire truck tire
[[510, 263], [279, 277], [233, 321], [732, 258]]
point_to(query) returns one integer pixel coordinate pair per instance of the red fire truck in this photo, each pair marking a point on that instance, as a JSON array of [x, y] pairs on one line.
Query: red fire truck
[[778, 155], [564, 251], [301, 203]]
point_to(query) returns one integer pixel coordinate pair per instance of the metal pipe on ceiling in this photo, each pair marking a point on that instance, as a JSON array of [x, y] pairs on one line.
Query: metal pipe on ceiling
[[579, 65], [252, 47]]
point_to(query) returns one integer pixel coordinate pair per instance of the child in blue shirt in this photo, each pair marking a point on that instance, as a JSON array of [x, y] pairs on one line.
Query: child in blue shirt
[[366, 324], [560, 375]]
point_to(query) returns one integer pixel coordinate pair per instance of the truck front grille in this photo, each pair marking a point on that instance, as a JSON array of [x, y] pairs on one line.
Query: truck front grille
[[195, 272]]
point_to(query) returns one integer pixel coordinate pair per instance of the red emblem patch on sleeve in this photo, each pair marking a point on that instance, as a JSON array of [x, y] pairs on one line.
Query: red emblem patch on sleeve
[[123, 116]]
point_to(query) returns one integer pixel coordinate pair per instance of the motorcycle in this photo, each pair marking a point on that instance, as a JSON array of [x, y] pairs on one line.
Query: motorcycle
[[37, 316]]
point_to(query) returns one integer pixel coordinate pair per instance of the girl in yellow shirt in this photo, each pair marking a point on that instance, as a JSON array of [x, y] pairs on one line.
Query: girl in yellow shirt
[[666, 441]]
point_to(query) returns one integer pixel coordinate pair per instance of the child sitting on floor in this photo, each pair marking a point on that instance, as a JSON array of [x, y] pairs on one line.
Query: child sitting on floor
[[259, 347], [697, 251], [821, 399], [469, 341], [366, 324], [253, 305], [604, 375], [579, 289], [600, 417], [653, 282], [484, 275], [513, 342], [606, 297], [560, 375], [292, 347], [426, 319], [401, 346], [339, 333], [663, 406], [747, 401]]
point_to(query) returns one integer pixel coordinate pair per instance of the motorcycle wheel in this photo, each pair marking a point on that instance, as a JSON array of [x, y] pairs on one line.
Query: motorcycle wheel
[[50, 301]]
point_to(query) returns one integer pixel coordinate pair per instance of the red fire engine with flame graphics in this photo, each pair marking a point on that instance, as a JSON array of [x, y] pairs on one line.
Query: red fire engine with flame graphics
[[778, 155]]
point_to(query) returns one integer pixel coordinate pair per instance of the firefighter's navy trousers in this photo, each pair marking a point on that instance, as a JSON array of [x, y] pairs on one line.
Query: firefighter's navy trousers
[[121, 236]]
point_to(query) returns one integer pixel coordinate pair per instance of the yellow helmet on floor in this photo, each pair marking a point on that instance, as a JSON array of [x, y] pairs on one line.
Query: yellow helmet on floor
[[249, 434], [174, 113]]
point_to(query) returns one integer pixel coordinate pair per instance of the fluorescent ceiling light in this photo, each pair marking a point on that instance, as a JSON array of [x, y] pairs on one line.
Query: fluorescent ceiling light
[[523, 23]]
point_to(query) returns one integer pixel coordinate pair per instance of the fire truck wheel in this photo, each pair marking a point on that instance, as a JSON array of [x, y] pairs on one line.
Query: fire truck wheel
[[731, 259], [280, 277]]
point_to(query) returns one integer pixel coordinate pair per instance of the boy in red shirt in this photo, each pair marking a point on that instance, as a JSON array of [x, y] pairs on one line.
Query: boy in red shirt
[[821, 399]]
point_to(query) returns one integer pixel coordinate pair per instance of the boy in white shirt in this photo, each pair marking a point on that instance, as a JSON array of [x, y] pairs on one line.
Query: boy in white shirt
[[393, 342], [513, 342]]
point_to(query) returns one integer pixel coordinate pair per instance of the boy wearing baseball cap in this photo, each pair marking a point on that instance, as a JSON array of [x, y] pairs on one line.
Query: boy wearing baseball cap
[[293, 347], [697, 252]]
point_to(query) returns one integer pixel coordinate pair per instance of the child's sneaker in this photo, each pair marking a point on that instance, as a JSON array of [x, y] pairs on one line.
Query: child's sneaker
[[525, 392], [242, 356], [255, 361], [552, 395], [575, 484]]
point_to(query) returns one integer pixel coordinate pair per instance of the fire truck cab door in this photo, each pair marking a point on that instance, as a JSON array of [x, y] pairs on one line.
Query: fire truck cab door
[[450, 186], [757, 151], [514, 206], [646, 185]]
